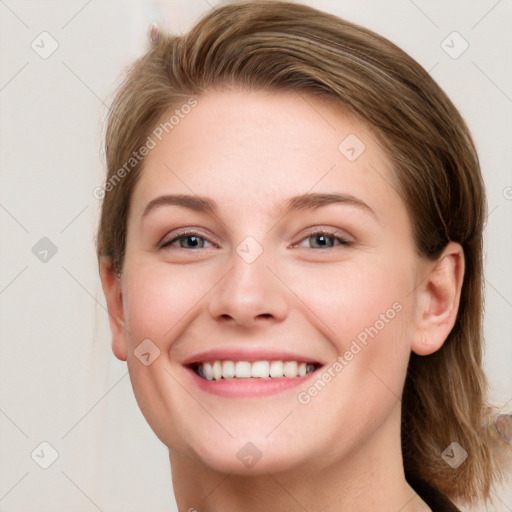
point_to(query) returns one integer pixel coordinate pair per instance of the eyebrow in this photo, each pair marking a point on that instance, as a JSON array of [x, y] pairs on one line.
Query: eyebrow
[[308, 201]]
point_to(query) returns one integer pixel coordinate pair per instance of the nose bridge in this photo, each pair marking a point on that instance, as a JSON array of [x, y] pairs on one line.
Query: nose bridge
[[249, 290]]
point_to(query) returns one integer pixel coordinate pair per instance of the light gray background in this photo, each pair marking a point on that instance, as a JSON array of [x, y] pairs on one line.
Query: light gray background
[[59, 381]]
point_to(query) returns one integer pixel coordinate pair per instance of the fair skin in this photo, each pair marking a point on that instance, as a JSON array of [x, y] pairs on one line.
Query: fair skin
[[304, 294]]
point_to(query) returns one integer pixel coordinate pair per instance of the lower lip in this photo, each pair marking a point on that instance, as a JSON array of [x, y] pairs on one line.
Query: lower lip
[[244, 388]]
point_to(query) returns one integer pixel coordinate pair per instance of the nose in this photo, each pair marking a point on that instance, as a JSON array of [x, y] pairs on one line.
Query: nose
[[249, 293]]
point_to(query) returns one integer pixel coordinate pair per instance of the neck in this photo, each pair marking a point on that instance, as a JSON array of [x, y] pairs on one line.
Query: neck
[[370, 477]]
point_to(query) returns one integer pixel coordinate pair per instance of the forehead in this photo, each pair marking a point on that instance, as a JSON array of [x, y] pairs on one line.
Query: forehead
[[260, 148]]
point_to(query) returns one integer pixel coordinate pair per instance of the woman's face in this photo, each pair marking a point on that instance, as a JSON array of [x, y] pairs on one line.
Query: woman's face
[[238, 272]]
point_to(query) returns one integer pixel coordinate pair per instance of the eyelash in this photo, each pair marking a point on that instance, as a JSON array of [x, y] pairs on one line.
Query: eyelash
[[320, 232]]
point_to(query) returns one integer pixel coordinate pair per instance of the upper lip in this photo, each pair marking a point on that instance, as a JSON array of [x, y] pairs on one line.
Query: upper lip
[[249, 354]]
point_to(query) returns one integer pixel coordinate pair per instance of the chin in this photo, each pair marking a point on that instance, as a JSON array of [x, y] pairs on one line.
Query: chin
[[247, 458]]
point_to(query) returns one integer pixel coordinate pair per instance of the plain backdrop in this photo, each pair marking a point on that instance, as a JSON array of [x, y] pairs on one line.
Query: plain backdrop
[[59, 381]]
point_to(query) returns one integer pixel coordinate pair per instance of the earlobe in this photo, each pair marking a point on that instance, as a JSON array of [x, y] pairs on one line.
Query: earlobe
[[111, 285], [438, 300]]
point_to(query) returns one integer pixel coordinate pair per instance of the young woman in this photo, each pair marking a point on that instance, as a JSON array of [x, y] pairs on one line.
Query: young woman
[[290, 246]]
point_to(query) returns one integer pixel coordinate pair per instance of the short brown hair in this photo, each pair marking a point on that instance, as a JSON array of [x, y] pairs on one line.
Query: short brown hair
[[282, 46]]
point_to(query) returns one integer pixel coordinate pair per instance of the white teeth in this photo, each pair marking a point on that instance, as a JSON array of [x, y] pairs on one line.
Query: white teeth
[[228, 369], [217, 370], [243, 370], [276, 369], [208, 371], [260, 369], [290, 369]]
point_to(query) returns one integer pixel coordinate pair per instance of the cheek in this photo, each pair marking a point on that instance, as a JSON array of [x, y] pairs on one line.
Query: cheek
[[370, 322], [349, 299], [161, 301], [367, 313]]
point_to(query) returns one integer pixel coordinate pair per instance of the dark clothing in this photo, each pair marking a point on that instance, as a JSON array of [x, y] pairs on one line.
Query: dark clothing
[[437, 501]]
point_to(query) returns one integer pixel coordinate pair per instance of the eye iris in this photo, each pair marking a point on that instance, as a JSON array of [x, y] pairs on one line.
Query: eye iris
[[327, 240], [185, 239]]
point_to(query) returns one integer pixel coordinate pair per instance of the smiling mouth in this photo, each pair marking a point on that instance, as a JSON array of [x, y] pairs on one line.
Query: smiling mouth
[[228, 370]]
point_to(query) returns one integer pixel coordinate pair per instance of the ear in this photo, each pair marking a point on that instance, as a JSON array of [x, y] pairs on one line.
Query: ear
[[111, 284], [438, 300]]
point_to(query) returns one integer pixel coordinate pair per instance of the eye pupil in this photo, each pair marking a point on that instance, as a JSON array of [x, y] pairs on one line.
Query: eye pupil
[[325, 240], [186, 239]]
